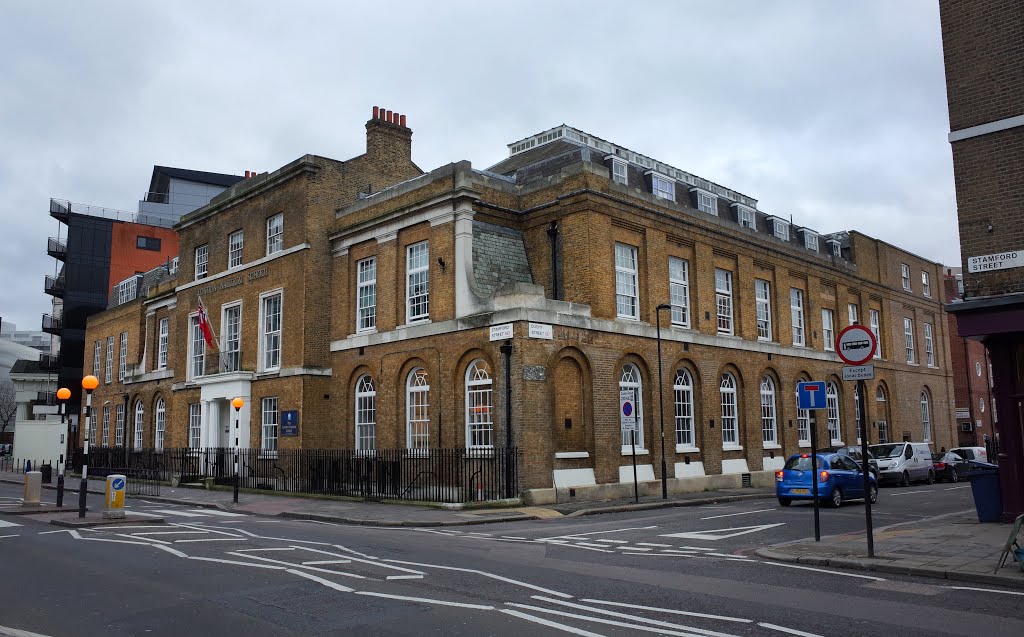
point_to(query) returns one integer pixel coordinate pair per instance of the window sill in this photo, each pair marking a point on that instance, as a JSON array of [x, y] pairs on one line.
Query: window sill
[[422, 321], [571, 454], [804, 444], [837, 443], [913, 364], [364, 332], [680, 326], [732, 447], [627, 318], [687, 449], [761, 339], [628, 451], [771, 445]]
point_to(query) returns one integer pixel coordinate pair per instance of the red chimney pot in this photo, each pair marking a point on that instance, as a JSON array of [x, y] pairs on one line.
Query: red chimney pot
[[376, 112], [387, 116], [401, 121]]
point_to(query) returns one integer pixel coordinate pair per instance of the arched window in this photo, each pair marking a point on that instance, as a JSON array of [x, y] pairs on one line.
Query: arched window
[[631, 381], [417, 405], [139, 422], [883, 417], [926, 416], [160, 424], [682, 389], [832, 404], [730, 417], [803, 421], [769, 430], [479, 406], [366, 414]]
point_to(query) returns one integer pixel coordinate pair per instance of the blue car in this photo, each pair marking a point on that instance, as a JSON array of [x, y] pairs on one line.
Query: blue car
[[839, 479]]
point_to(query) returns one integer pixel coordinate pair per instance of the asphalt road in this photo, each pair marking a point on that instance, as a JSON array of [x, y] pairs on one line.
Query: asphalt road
[[682, 571]]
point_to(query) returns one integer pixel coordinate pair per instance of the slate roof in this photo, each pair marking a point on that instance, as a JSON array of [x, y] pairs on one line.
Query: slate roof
[[499, 258], [22, 366], [547, 151]]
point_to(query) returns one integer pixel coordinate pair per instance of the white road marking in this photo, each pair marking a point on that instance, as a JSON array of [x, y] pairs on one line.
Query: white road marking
[[147, 533], [896, 495], [236, 563], [585, 548], [3, 536], [196, 527], [170, 550], [729, 515], [424, 600], [209, 539], [721, 534], [613, 541], [500, 578], [144, 515], [643, 620], [591, 544], [601, 620], [696, 548], [345, 548], [374, 561], [821, 570], [633, 548], [15, 632], [513, 537], [578, 535], [783, 629], [181, 513], [49, 532], [289, 548], [225, 514], [675, 552], [325, 562], [289, 564], [724, 555], [150, 539], [326, 582], [478, 533], [4, 524], [671, 611], [966, 486], [404, 577], [984, 590], [121, 527], [550, 624], [653, 544]]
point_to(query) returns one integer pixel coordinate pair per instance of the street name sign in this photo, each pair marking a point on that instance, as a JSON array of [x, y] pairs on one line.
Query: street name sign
[[1000, 261], [501, 332], [855, 345]]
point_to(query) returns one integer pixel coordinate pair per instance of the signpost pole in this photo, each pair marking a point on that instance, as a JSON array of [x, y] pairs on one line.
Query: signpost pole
[[869, 531], [814, 471], [636, 485]]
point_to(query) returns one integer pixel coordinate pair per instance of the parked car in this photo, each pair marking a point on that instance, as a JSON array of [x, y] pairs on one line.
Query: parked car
[[971, 453], [853, 452], [904, 462], [950, 467], [839, 479]]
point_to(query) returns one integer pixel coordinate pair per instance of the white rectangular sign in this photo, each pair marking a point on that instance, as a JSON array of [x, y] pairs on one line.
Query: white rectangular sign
[[1000, 261], [859, 372], [627, 415], [501, 332], [541, 330], [963, 412]]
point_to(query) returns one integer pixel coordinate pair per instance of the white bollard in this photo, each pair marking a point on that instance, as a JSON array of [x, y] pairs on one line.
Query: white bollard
[[113, 502], [33, 487]]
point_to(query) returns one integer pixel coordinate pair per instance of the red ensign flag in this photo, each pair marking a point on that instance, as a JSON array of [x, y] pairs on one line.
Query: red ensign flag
[[204, 326]]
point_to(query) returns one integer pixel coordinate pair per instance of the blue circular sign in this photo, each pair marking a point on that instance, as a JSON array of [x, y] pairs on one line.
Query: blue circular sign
[[627, 409], [118, 484]]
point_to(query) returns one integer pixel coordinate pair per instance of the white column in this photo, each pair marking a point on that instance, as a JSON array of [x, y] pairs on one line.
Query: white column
[[464, 301]]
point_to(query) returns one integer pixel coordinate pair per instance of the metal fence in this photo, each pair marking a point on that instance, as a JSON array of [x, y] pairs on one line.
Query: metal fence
[[431, 475]]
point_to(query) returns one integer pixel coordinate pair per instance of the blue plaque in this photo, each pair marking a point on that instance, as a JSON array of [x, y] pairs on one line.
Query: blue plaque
[[290, 423]]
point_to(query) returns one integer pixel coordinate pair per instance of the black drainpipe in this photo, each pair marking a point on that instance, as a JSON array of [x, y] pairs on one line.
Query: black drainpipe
[[553, 236], [506, 351]]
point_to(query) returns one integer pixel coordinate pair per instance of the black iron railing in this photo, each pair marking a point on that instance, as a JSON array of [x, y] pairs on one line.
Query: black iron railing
[[430, 475], [56, 248], [54, 286], [52, 324]]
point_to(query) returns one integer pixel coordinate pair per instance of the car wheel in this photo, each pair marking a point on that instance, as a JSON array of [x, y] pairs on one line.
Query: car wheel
[[954, 476], [785, 502], [837, 498], [873, 494], [931, 477], [905, 480]]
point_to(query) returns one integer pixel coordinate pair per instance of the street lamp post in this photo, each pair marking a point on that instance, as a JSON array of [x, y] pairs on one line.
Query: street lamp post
[[661, 402], [237, 404], [62, 395], [89, 383]]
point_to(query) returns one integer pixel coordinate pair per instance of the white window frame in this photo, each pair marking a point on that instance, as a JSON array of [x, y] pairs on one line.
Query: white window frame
[[631, 380], [828, 333], [926, 284], [926, 416], [929, 345], [707, 202], [835, 431], [679, 290], [836, 249], [159, 424], [663, 187], [202, 261], [780, 229], [627, 282], [236, 242], [275, 233], [682, 392], [106, 426], [271, 333], [769, 421], [163, 339], [417, 282], [366, 414], [417, 410], [745, 217], [119, 425], [195, 425], [479, 416], [230, 338], [366, 295], [138, 424], [905, 276], [908, 336], [763, 295], [803, 421], [810, 240], [723, 302], [875, 319], [122, 358], [108, 371], [97, 358], [620, 172], [196, 349], [796, 311], [852, 313], [270, 423], [730, 413]]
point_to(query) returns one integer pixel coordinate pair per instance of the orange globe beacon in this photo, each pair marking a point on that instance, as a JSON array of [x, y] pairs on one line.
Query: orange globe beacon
[[237, 403], [63, 393], [90, 382]]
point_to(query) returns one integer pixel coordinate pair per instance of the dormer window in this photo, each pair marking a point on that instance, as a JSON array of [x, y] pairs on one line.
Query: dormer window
[[780, 229], [619, 172], [662, 186], [745, 216], [835, 248], [810, 240], [706, 201]]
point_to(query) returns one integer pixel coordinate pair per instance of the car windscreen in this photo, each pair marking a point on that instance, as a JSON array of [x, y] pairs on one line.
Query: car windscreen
[[799, 463], [966, 454], [887, 451], [938, 457]]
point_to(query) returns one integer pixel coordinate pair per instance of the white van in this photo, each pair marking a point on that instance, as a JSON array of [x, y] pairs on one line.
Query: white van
[[971, 453], [904, 462]]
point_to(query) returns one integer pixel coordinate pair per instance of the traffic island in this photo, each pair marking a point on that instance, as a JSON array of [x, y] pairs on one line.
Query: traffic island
[[38, 509], [99, 520]]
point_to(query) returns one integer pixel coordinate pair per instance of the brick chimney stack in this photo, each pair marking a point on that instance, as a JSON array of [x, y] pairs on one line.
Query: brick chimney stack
[[388, 139]]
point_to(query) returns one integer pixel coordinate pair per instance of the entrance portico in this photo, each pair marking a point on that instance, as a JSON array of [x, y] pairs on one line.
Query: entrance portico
[[218, 418]]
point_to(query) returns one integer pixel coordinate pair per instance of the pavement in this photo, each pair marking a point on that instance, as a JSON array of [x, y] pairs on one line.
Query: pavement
[[953, 546]]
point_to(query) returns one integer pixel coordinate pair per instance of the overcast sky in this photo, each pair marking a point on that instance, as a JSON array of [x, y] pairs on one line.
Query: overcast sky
[[833, 112]]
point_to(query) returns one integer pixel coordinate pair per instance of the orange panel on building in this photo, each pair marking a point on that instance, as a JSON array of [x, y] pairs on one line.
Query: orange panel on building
[[137, 248]]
